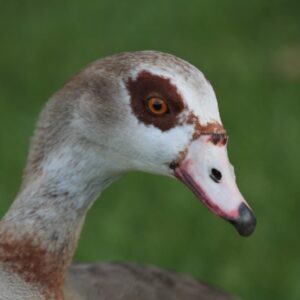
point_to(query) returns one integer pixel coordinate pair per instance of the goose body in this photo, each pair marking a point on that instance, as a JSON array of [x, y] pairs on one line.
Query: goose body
[[127, 281], [142, 111]]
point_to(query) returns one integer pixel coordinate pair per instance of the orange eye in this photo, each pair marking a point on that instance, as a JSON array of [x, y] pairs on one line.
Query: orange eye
[[157, 106]]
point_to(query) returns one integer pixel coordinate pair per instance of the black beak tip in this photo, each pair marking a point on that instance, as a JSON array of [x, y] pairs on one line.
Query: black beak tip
[[246, 222]]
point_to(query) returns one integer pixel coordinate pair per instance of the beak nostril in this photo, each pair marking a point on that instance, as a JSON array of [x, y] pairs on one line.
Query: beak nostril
[[215, 175]]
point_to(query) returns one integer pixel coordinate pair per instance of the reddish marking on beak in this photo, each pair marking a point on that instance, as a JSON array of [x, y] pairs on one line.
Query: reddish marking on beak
[[187, 179]]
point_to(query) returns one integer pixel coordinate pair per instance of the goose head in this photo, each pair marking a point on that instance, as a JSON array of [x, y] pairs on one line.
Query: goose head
[[152, 112]]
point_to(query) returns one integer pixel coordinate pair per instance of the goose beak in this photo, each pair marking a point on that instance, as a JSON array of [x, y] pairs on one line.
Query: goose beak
[[206, 170]]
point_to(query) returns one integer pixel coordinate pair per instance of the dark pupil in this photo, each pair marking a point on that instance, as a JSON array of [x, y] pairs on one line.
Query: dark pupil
[[157, 105]]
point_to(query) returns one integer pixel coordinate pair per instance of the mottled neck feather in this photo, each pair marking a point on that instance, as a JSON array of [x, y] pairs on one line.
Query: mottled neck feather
[[39, 233]]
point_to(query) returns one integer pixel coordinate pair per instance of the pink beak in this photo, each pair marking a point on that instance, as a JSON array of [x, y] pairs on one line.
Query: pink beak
[[206, 170]]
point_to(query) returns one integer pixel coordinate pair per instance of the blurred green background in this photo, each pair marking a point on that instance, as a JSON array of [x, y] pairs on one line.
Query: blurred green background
[[250, 51]]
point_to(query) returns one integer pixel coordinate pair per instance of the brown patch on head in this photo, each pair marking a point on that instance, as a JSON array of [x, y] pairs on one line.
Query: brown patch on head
[[215, 130], [218, 139], [149, 85], [35, 264]]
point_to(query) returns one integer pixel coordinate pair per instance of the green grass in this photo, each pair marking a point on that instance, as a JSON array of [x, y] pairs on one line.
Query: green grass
[[250, 51]]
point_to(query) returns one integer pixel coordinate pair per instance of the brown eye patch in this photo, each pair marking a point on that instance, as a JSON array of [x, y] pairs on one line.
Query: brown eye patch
[[147, 86]]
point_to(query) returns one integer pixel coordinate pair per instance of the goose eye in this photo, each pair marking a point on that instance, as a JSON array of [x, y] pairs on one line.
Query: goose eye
[[157, 106]]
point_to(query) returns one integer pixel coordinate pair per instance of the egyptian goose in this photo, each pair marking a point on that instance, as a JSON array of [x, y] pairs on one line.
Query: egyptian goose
[[141, 111]]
